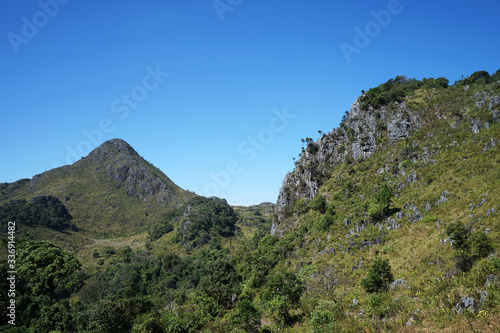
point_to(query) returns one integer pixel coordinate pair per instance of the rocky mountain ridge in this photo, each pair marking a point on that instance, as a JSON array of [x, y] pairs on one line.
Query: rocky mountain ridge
[[364, 130]]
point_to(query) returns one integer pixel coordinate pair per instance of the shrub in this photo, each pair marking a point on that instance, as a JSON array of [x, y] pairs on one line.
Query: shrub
[[470, 246], [318, 204], [323, 318], [394, 90], [379, 278], [379, 207], [324, 222], [301, 206]]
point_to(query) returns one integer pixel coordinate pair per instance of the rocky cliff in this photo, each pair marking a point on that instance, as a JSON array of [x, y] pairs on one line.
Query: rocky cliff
[[365, 130]]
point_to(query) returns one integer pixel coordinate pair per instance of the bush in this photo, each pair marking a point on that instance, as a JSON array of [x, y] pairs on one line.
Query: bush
[[394, 90], [318, 204], [301, 206], [324, 222], [323, 318], [379, 207], [470, 246], [379, 278]]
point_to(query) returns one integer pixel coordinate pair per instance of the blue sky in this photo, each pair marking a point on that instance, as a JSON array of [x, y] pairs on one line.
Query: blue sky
[[217, 94]]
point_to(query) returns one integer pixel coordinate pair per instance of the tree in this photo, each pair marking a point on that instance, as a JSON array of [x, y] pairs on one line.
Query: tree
[[127, 254], [108, 316], [245, 317], [496, 76], [345, 116], [282, 294], [221, 282], [431, 83], [43, 265], [479, 76], [394, 90], [459, 234], [379, 278], [148, 322]]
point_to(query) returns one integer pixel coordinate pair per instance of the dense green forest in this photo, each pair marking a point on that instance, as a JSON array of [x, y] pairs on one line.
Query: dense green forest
[[43, 211], [406, 239]]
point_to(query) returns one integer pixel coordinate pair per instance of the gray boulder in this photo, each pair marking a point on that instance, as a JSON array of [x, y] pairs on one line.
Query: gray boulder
[[466, 303], [399, 283]]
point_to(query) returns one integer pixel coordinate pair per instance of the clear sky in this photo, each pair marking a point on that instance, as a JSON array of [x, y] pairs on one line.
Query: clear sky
[[217, 94]]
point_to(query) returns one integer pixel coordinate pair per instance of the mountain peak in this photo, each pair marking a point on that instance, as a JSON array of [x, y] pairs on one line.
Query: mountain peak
[[111, 148], [116, 160]]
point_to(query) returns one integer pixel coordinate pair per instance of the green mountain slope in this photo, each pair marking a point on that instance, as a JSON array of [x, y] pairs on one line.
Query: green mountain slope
[[391, 183], [112, 191]]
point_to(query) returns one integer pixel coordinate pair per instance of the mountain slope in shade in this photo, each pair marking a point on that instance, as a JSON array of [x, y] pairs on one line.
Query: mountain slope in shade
[[112, 191]]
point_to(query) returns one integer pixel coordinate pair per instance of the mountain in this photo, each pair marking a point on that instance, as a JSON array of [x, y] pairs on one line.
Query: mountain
[[388, 223], [410, 144], [410, 178], [112, 191]]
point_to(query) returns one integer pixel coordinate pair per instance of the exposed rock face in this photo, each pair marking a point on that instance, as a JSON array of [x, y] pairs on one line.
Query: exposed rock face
[[356, 138], [123, 164], [110, 149], [482, 98], [495, 100]]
